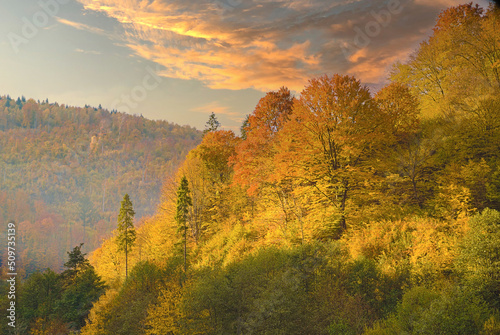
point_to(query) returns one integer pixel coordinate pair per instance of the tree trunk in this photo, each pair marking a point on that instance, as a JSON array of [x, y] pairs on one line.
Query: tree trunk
[[343, 225], [126, 253], [185, 248]]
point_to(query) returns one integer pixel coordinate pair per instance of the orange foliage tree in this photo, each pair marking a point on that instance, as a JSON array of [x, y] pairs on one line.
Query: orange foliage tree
[[209, 174], [253, 162], [333, 131]]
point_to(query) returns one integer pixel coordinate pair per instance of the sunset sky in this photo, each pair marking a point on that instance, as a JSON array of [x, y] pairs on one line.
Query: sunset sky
[[180, 60]]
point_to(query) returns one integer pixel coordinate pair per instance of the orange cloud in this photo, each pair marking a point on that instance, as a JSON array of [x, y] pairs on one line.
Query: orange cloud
[[265, 44], [215, 107]]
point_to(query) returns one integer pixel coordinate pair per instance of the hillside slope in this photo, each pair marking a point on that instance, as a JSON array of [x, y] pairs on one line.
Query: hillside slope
[[64, 170]]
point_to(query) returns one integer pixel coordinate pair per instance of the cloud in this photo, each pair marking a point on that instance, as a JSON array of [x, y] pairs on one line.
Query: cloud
[[265, 44], [215, 107], [91, 52], [80, 26]]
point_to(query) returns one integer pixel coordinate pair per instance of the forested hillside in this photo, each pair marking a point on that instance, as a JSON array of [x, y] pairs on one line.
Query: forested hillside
[[64, 170], [337, 211]]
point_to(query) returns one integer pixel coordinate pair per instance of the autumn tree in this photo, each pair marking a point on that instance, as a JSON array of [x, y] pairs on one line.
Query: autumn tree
[[181, 216], [253, 159], [126, 231], [410, 152], [461, 59], [471, 35], [215, 151], [209, 174], [254, 166], [334, 129], [29, 111]]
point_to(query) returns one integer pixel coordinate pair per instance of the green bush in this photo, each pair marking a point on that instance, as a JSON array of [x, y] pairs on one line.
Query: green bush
[[479, 261]]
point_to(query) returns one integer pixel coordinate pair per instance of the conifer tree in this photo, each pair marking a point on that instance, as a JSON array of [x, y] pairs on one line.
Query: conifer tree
[[76, 262], [212, 124], [183, 203], [244, 127], [81, 286], [126, 231]]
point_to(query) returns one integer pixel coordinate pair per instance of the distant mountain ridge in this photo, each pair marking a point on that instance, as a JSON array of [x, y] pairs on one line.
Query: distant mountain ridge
[[64, 170]]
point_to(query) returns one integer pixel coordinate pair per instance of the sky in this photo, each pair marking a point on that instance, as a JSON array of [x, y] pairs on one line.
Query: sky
[[180, 60]]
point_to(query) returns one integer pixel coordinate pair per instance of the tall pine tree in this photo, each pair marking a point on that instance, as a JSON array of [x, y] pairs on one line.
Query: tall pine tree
[[126, 231], [183, 203]]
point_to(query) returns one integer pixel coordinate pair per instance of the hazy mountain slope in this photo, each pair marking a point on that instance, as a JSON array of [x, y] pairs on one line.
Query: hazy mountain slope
[[64, 170]]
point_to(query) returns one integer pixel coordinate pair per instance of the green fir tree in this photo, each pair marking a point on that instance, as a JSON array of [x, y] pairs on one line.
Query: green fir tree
[[126, 231], [183, 203]]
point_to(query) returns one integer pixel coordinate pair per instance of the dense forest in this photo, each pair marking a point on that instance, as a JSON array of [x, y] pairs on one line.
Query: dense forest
[[337, 211], [64, 170]]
